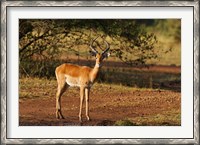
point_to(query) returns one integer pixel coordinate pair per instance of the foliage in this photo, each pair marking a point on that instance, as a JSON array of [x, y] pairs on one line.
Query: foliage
[[42, 68], [133, 41], [169, 28], [45, 39]]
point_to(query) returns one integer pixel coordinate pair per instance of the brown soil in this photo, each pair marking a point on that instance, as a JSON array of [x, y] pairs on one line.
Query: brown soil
[[105, 108]]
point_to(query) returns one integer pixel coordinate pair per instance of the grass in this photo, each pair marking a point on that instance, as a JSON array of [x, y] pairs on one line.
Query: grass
[[124, 123], [31, 87], [141, 79], [164, 119], [36, 87], [158, 120], [170, 118]]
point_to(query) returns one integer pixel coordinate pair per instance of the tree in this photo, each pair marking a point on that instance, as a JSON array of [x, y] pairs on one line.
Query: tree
[[47, 38]]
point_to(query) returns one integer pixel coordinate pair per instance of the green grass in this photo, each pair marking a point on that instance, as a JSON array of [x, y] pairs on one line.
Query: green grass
[[165, 119], [159, 119], [124, 123]]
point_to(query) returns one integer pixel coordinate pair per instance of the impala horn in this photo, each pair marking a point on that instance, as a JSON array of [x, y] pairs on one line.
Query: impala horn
[[107, 48], [93, 49]]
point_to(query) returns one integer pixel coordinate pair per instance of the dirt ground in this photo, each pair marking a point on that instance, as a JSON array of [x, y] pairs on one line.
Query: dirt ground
[[109, 104], [141, 106]]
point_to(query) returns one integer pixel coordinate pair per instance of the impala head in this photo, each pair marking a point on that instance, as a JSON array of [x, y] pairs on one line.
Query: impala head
[[99, 56]]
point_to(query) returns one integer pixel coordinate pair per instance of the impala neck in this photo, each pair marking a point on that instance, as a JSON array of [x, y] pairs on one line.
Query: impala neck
[[95, 71]]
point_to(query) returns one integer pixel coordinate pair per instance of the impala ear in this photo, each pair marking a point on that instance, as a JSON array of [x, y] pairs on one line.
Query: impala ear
[[106, 55]]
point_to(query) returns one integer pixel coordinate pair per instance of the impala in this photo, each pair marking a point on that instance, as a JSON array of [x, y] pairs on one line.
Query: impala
[[80, 76]]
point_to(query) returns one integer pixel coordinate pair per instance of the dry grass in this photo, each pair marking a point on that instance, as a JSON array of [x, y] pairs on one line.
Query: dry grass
[[35, 87], [31, 87]]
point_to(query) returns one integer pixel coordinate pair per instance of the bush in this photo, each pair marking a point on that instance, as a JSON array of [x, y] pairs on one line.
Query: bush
[[41, 68]]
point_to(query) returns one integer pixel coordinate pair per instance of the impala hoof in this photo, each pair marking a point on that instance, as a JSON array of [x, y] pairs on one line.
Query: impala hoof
[[88, 118], [60, 117], [80, 119]]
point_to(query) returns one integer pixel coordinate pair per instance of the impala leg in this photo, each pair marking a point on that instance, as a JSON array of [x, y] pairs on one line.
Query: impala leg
[[87, 92], [58, 105], [61, 89], [81, 102], [58, 102]]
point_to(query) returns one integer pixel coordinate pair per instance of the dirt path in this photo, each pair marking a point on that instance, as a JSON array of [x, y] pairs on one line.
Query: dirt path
[[143, 107]]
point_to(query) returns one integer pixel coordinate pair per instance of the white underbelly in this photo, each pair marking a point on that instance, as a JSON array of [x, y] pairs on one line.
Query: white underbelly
[[72, 81], [75, 82]]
